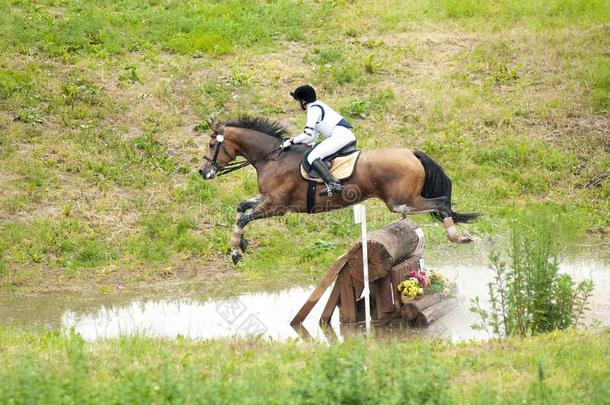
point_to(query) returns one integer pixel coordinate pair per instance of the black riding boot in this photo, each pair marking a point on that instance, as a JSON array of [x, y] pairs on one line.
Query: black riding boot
[[332, 184]]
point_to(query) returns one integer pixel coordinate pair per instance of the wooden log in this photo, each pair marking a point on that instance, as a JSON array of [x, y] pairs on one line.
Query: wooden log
[[387, 247], [302, 331], [380, 262], [347, 305], [384, 297], [329, 333], [331, 304], [434, 312], [358, 287], [404, 268], [326, 281], [360, 314], [411, 310]]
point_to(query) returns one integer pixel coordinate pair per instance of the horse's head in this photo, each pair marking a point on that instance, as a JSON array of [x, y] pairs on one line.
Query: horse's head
[[221, 151]]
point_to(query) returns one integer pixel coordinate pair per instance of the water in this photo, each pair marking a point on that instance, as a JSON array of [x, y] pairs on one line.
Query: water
[[200, 315]]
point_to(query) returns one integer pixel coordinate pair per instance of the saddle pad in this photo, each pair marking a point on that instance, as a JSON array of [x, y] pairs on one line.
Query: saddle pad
[[341, 167]]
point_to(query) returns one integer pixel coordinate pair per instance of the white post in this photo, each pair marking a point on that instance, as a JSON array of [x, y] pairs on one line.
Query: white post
[[360, 217]]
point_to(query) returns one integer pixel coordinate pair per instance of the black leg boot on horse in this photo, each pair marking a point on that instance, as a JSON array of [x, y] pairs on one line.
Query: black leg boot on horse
[[332, 184]]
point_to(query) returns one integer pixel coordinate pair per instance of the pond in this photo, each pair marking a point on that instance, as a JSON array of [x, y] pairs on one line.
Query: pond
[[206, 314]]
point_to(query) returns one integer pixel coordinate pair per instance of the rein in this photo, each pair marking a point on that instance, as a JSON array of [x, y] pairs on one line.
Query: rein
[[233, 166]]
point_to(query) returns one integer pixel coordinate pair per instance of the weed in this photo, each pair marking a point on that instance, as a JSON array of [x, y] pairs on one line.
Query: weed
[[529, 296], [29, 116], [370, 65], [80, 90], [12, 82], [6, 147], [357, 109], [316, 250], [239, 77], [130, 75], [345, 73], [147, 150]]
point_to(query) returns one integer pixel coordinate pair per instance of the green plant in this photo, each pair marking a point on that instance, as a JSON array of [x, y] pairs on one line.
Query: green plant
[[357, 109], [6, 146], [3, 269], [529, 296], [29, 116], [370, 65], [130, 75], [14, 82], [79, 90], [346, 73]]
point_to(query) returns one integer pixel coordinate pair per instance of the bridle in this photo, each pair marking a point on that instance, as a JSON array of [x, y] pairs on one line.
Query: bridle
[[232, 166]]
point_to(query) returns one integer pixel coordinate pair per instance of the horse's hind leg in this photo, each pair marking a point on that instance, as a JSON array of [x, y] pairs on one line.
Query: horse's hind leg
[[421, 205], [438, 205], [452, 233]]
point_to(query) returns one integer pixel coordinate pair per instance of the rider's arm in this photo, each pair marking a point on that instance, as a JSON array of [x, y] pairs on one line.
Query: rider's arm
[[314, 115]]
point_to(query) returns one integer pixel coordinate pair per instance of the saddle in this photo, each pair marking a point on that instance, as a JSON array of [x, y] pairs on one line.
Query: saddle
[[341, 164]]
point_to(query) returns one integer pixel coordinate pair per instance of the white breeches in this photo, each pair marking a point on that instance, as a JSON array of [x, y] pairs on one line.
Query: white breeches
[[339, 138]]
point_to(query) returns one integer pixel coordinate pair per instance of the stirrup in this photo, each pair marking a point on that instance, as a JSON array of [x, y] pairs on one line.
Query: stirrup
[[328, 190]]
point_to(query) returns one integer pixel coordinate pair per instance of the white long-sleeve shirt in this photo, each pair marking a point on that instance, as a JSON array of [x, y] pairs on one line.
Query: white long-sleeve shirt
[[321, 119]]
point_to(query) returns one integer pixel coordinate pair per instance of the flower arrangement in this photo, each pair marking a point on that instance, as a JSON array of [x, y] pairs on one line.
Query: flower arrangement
[[414, 286], [420, 276], [439, 283], [409, 289]]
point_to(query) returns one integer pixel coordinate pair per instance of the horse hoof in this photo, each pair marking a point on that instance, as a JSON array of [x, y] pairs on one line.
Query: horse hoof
[[465, 239], [236, 257], [243, 245]]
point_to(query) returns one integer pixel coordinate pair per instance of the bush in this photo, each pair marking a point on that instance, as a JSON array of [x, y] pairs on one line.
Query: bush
[[529, 296]]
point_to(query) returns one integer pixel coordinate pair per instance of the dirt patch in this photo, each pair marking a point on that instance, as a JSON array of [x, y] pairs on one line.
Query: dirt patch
[[181, 273]]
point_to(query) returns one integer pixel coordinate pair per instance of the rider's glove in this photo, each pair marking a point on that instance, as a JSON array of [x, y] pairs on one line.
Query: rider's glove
[[287, 143]]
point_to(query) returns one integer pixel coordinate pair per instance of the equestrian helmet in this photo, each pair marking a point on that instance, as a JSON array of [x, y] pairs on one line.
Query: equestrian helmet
[[305, 93]]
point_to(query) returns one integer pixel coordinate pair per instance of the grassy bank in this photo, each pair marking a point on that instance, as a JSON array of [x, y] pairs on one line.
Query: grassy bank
[[103, 105], [562, 367]]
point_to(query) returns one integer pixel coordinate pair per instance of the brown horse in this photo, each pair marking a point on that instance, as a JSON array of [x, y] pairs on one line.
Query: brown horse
[[408, 183]]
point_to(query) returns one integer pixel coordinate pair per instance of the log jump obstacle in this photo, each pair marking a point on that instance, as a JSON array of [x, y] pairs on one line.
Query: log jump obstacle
[[393, 252]]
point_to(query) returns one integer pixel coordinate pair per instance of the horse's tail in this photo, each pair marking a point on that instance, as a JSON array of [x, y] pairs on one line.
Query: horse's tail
[[437, 184]]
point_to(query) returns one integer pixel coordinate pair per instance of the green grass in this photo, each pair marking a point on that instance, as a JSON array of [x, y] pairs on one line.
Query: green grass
[[561, 367], [99, 101], [64, 28]]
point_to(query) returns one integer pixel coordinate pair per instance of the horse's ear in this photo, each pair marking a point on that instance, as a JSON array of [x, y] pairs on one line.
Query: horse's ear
[[217, 127]]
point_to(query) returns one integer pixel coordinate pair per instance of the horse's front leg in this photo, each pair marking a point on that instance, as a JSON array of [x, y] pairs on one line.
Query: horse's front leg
[[245, 205], [263, 209], [242, 207]]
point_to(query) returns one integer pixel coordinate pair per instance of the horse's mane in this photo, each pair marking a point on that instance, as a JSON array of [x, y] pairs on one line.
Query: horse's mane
[[264, 125]]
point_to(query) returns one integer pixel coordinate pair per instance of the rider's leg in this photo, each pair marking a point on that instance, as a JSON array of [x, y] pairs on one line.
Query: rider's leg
[[340, 138], [332, 183]]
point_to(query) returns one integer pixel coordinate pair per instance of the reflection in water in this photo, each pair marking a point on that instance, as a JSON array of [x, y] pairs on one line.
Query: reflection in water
[[267, 314]]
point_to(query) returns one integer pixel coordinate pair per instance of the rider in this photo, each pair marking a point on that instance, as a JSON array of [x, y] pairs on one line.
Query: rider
[[326, 121]]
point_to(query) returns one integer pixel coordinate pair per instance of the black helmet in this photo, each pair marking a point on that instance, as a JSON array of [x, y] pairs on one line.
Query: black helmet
[[305, 93]]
